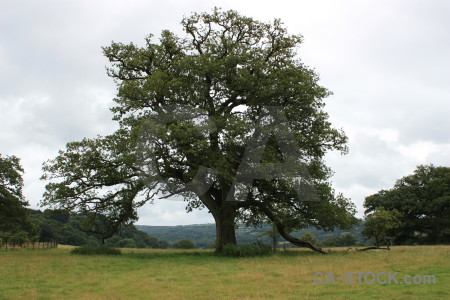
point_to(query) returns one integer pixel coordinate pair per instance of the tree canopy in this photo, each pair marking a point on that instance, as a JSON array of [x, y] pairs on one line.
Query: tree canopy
[[14, 218], [423, 199], [227, 117], [381, 226], [67, 228]]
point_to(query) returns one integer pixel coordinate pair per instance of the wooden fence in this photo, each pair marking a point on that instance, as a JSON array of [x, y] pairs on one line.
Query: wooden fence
[[28, 245]]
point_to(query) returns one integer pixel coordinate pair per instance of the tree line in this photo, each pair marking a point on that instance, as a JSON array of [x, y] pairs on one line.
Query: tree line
[[70, 229], [229, 118], [414, 212]]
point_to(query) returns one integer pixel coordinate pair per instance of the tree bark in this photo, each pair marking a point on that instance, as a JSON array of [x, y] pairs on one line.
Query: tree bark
[[373, 248], [296, 241], [225, 230]]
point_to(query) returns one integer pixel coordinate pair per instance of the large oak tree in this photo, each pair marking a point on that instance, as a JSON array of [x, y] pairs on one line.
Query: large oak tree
[[197, 113]]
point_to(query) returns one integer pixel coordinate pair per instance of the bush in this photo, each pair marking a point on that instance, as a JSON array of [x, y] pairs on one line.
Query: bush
[[95, 250], [184, 244], [247, 250]]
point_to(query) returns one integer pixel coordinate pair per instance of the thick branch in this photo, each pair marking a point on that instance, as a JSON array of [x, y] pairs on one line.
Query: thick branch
[[282, 229], [372, 248], [209, 202]]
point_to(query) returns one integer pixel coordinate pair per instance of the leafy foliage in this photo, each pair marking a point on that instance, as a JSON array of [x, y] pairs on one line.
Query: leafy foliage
[[423, 199], [203, 235], [309, 237], [230, 70], [15, 225], [381, 225], [273, 235], [184, 244], [69, 229]]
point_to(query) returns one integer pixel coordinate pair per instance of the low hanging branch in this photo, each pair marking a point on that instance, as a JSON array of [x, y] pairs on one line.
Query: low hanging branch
[[295, 241], [282, 229]]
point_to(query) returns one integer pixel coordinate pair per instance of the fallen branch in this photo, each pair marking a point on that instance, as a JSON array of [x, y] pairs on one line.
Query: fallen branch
[[373, 248]]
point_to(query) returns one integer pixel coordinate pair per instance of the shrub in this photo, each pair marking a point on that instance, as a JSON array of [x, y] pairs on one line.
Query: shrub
[[184, 244], [95, 250], [247, 250]]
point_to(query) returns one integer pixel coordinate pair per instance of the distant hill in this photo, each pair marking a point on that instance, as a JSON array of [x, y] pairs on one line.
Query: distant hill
[[203, 235], [66, 228]]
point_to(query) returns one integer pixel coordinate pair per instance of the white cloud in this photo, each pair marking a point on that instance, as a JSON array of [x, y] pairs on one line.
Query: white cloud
[[169, 212]]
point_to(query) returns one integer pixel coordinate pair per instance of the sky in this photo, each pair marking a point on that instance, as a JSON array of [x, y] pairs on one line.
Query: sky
[[386, 62]]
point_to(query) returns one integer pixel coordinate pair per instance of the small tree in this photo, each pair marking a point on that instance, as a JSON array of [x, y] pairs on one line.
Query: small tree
[[347, 239], [5, 237], [20, 237], [380, 226], [309, 237], [273, 235]]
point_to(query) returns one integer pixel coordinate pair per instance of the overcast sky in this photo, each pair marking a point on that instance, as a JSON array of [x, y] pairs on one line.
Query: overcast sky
[[387, 62]]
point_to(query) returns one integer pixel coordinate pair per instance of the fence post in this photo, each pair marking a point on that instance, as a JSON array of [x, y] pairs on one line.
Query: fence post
[[7, 245]]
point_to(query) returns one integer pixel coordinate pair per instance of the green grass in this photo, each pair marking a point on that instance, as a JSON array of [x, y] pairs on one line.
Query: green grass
[[199, 274], [95, 250]]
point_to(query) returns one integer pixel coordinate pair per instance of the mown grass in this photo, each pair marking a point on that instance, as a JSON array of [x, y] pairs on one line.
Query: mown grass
[[199, 274]]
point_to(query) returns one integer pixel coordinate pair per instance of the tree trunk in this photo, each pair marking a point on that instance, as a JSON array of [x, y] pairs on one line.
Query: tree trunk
[[225, 230]]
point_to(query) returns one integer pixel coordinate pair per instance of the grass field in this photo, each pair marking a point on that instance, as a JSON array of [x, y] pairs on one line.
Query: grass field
[[197, 274]]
